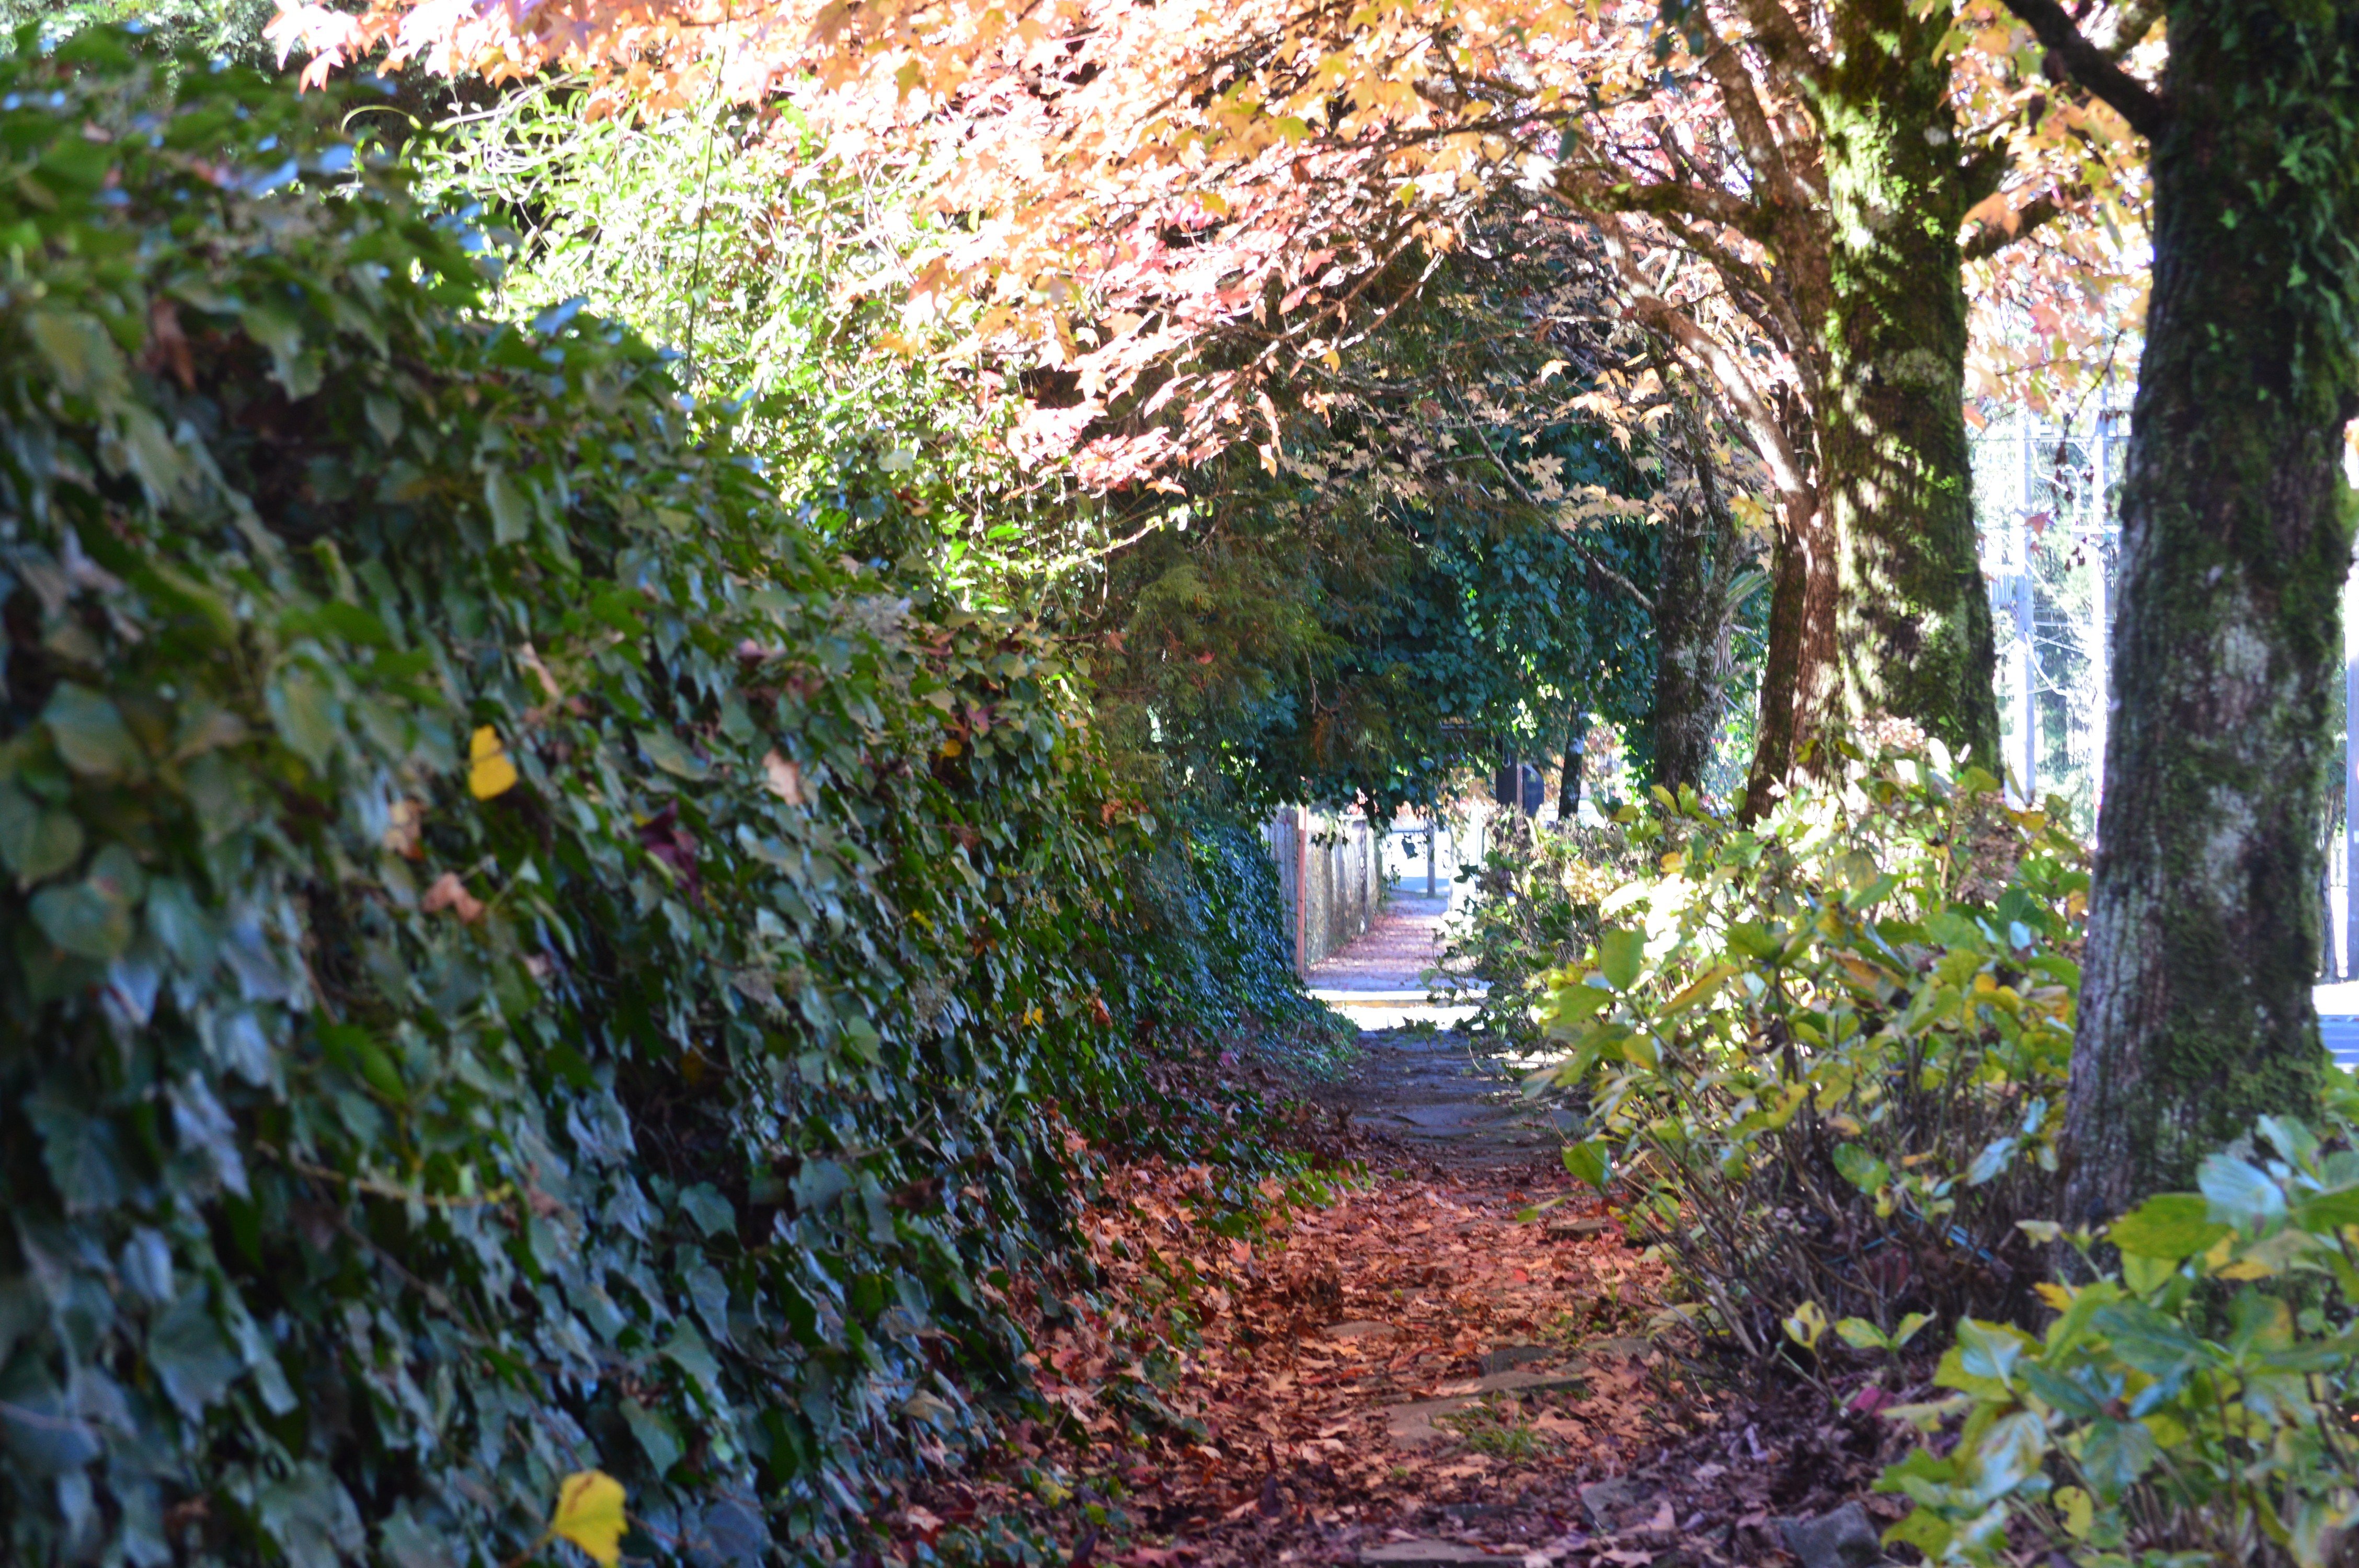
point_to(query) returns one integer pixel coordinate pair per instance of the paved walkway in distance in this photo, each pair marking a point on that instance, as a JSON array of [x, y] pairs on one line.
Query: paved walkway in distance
[[1404, 942], [2338, 1019], [1429, 1091]]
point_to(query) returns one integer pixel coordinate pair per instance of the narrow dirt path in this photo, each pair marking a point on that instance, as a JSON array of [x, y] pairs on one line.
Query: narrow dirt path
[[1408, 1369]]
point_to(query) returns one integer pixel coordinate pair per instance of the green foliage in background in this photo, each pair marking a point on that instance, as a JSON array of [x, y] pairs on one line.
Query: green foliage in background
[[1211, 915], [778, 272], [518, 960], [1826, 1055], [2189, 1405], [1532, 909], [207, 30]]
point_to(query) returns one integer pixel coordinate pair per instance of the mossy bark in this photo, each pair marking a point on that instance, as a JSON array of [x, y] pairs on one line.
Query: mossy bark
[[1913, 629], [2196, 1013], [1878, 605], [1692, 612]]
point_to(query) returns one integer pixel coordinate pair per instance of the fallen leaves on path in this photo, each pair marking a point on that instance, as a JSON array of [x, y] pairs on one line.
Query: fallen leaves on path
[[1365, 1361]]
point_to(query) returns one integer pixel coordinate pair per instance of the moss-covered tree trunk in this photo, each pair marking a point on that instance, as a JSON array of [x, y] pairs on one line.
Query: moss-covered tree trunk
[[2196, 1009], [1692, 613], [1686, 714], [1913, 628]]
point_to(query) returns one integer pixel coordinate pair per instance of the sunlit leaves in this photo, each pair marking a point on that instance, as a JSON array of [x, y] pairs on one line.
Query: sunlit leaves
[[490, 771], [590, 1515]]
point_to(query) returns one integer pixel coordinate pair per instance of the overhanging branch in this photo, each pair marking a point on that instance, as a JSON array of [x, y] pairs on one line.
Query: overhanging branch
[[2146, 110]]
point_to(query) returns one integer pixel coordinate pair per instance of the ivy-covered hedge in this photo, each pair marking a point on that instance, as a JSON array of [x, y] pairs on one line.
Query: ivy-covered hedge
[[512, 962]]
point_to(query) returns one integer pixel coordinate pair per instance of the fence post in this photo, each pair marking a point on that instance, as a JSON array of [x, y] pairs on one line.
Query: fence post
[[1302, 891]]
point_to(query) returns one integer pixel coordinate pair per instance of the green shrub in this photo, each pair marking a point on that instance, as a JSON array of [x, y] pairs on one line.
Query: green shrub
[[1826, 1055], [1532, 910], [2194, 1405], [514, 959]]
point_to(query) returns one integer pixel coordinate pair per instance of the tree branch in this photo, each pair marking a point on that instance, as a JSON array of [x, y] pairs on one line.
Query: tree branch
[[2146, 110], [1988, 239], [1781, 38], [1592, 191], [1742, 100], [1787, 470]]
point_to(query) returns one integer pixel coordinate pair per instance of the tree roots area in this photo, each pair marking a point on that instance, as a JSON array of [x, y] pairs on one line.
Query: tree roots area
[[1411, 1352]]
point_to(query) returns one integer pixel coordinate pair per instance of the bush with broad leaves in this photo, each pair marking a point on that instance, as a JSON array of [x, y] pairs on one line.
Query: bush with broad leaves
[[2191, 1403], [1825, 1054]]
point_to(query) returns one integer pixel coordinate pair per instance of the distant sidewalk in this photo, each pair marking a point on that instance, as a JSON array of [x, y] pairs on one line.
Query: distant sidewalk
[[1376, 980]]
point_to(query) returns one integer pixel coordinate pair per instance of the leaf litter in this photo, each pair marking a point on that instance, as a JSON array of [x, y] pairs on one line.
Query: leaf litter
[[1393, 1362]]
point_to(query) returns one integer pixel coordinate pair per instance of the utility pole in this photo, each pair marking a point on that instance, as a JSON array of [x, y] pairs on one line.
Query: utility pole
[[2101, 639], [2350, 772], [2026, 679]]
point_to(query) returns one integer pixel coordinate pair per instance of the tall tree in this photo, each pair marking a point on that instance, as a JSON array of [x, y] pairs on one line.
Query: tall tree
[[2196, 1013]]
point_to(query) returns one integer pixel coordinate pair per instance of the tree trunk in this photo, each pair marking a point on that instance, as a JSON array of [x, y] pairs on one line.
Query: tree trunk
[[1568, 786], [2196, 1011], [1686, 711], [1800, 681], [1691, 616], [1914, 623]]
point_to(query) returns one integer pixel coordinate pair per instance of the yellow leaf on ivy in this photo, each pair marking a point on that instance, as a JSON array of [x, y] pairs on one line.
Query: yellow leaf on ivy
[[589, 1514], [489, 771]]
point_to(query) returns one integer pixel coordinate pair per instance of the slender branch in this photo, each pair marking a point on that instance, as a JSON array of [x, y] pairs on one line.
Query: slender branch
[[1748, 116], [1591, 191], [2146, 110], [1750, 289], [1784, 464]]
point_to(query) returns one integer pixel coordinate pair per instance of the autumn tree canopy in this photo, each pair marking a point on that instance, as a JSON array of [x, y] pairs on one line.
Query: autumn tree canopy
[[1174, 207]]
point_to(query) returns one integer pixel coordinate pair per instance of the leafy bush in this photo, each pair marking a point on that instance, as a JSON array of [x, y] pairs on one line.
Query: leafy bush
[[1532, 911], [514, 959], [2193, 1406], [1826, 1055]]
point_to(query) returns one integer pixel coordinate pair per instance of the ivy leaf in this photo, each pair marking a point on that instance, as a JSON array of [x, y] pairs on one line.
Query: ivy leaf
[[36, 843], [665, 751], [511, 514], [703, 1204], [89, 732], [656, 1436], [489, 771], [190, 1356], [280, 333], [79, 352], [309, 718], [92, 918], [590, 1515]]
